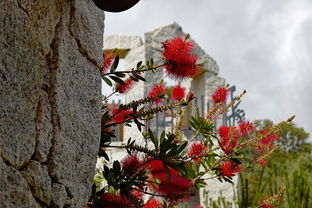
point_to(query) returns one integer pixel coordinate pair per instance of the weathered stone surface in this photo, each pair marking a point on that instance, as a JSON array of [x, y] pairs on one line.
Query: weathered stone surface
[[59, 196], [14, 190], [38, 178], [121, 42], [50, 53], [23, 71]]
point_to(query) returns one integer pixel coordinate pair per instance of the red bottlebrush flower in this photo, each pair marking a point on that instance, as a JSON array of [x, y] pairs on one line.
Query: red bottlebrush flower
[[178, 93], [229, 169], [126, 87], [197, 150], [229, 138], [179, 62], [130, 164], [177, 189], [115, 201], [153, 203], [220, 95], [266, 142], [197, 206], [137, 194], [157, 90], [262, 162], [108, 60], [246, 128], [157, 167], [121, 116], [265, 205]]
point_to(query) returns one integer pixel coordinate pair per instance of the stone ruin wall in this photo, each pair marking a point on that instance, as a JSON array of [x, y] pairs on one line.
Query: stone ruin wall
[[50, 90], [137, 50]]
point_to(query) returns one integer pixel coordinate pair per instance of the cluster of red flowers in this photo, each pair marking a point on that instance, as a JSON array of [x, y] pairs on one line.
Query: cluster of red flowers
[[220, 95], [179, 62], [121, 115], [130, 163], [175, 189], [153, 203], [157, 90], [116, 201], [197, 150], [230, 135], [229, 138], [126, 87], [264, 205], [229, 168], [178, 93], [267, 142], [108, 60], [245, 128]]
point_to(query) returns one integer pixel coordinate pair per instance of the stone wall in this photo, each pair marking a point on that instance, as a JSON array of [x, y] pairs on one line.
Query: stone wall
[[50, 87]]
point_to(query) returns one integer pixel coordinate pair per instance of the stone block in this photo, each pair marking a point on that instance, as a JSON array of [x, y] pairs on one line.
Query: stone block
[[14, 189], [38, 178]]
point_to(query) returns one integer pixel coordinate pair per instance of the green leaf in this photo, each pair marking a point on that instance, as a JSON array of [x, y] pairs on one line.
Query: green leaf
[[102, 153], [134, 78], [139, 64], [116, 167], [139, 77], [107, 81], [115, 64], [181, 147], [153, 139], [118, 80], [167, 172], [120, 74]]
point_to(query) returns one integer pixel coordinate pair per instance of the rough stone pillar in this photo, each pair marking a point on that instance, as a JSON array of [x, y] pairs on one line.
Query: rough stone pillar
[[49, 101]]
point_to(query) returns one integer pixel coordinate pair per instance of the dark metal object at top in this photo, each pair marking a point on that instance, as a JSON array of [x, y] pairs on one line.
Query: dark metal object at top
[[115, 5]]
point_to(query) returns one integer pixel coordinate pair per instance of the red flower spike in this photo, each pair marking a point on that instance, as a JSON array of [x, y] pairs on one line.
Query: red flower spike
[[121, 116], [229, 138], [125, 88], [137, 194], [157, 167], [157, 90], [108, 60], [178, 93], [265, 205], [153, 203], [267, 142], [229, 169], [179, 62], [130, 163], [246, 128], [175, 190], [262, 163], [220, 95], [197, 150], [197, 206], [115, 201]]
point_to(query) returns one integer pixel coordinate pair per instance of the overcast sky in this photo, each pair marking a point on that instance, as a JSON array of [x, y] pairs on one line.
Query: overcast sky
[[263, 46]]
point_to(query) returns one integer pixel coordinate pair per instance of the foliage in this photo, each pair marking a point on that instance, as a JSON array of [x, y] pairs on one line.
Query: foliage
[[169, 167], [290, 166]]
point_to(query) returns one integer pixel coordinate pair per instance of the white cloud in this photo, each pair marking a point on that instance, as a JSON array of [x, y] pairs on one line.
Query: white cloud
[[262, 46]]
